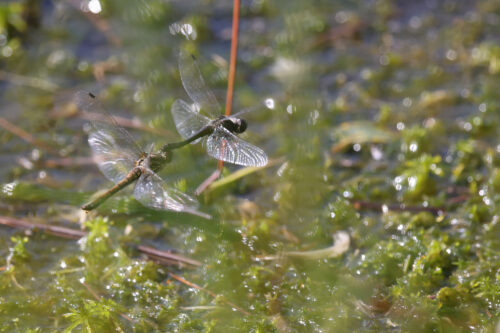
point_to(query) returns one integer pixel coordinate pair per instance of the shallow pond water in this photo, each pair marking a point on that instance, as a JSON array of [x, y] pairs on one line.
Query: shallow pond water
[[377, 212]]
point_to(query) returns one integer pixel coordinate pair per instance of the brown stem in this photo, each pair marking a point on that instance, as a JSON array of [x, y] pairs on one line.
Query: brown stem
[[211, 293], [167, 257], [66, 162], [8, 126], [232, 67], [163, 257], [207, 182], [51, 229], [232, 63]]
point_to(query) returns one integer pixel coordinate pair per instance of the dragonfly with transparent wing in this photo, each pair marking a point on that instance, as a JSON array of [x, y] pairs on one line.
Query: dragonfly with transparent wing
[[216, 131], [122, 161]]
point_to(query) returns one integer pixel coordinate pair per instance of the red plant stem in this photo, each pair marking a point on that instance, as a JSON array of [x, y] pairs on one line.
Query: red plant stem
[[232, 63], [207, 182]]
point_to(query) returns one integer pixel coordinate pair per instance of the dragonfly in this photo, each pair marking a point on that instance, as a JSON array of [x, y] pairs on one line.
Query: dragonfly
[[217, 131], [122, 161]]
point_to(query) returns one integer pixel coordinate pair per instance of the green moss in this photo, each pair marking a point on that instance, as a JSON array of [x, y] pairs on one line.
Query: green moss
[[384, 127], [418, 178], [422, 220]]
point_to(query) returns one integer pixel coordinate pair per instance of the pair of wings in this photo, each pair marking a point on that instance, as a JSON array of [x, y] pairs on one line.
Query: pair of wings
[[116, 153], [221, 144]]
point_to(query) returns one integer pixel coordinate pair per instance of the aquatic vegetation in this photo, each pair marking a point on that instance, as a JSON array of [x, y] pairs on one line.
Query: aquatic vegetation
[[383, 127]]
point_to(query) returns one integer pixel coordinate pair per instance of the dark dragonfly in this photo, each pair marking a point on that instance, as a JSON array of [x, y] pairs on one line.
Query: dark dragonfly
[[122, 161], [216, 131]]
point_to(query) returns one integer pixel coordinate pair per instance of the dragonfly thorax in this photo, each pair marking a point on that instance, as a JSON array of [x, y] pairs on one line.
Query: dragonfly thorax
[[155, 161], [234, 125]]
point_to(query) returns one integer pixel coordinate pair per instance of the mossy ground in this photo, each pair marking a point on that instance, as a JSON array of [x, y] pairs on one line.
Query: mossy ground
[[392, 105]]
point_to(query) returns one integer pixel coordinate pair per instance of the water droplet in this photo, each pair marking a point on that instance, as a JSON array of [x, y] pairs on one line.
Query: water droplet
[[7, 51], [269, 103], [412, 182], [95, 6], [415, 22], [407, 102], [8, 189], [451, 55]]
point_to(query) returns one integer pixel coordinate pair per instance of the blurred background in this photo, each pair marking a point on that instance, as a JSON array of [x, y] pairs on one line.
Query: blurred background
[[380, 119]]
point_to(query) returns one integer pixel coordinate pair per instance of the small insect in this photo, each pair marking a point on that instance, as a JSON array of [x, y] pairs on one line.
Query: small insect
[[122, 161], [217, 131]]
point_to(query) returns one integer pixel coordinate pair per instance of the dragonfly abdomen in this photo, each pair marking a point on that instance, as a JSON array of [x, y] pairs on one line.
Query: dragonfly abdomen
[[133, 175], [207, 130]]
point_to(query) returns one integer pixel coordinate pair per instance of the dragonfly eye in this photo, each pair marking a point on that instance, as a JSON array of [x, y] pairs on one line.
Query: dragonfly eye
[[241, 126]]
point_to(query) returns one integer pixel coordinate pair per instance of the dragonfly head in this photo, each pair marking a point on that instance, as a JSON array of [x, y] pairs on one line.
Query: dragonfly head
[[235, 125]]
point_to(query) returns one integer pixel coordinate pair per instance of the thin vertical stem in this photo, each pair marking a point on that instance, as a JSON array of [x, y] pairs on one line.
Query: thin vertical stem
[[232, 63], [230, 88]]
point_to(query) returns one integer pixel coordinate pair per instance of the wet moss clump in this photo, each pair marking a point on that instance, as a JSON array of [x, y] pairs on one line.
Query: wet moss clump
[[381, 124]]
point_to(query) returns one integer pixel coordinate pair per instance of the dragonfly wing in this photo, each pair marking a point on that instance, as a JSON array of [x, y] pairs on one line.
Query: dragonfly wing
[[113, 148], [225, 146], [195, 85], [187, 120], [113, 162], [153, 192]]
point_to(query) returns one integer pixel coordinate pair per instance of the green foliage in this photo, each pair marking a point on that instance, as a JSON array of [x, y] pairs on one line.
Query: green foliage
[[384, 127], [11, 17], [417, 179], [91, 316], [18, 251], [415, 141]]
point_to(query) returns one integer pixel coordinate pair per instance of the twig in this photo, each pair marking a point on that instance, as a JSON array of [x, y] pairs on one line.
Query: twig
[[345, 32], [92, 292], [163, 257], [27, 81], [51, 229], [8, 126], [459, 199], [68, 162], [211, 293], [167, 257]]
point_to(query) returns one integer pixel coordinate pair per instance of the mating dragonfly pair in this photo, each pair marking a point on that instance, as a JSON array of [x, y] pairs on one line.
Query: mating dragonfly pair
[[122, 161]]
